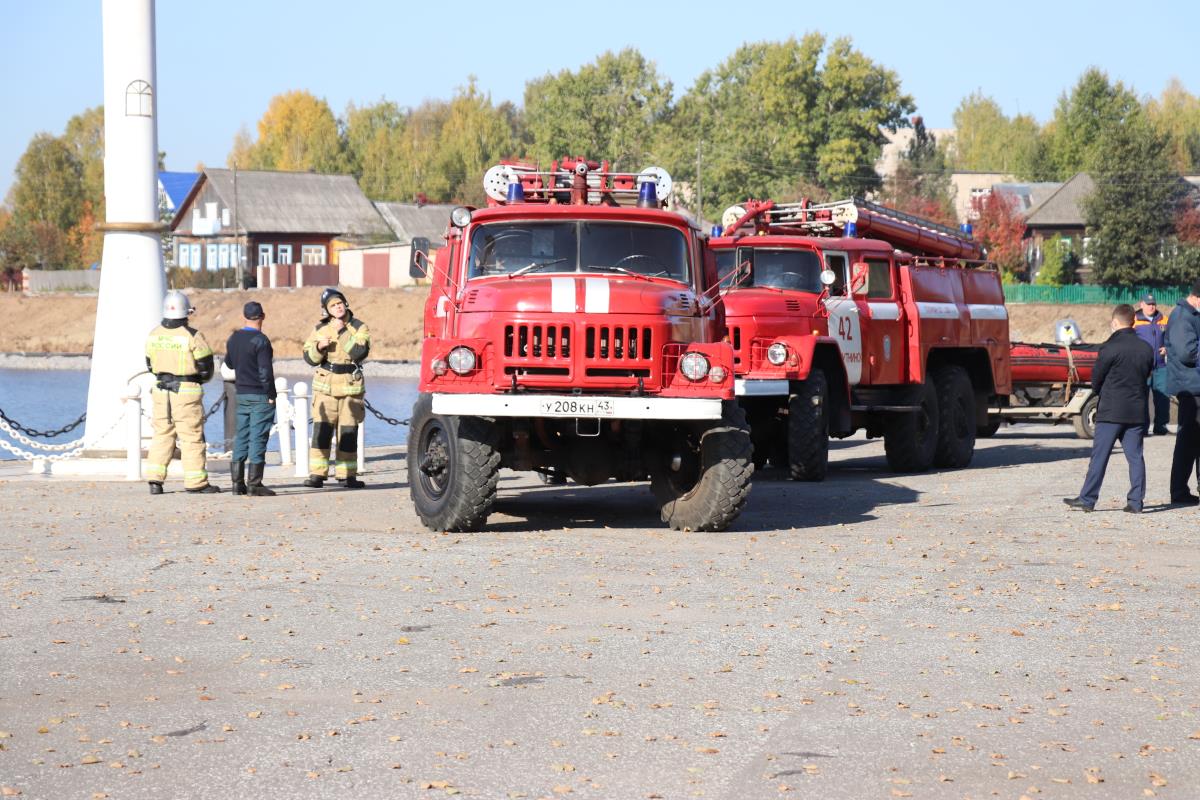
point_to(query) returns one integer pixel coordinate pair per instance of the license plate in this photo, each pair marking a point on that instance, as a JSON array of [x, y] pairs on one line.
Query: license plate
[[577, 407]]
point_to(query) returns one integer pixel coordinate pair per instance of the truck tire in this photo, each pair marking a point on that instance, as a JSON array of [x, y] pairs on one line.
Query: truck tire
[[956, 417], [989, 430], [1085, 423], [910, 440], [453, 467], [708, 491], [808, 429]]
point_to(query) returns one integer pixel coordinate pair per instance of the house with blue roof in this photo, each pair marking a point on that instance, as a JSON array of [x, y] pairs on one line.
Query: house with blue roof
[[173, 188]]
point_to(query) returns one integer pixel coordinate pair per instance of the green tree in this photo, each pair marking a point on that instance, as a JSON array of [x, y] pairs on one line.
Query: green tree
[[1176, 115], [772, 118], [297, 133], [1081, 119], [606, 110], [49, 184], [85, 139], [374, 136], [986, 140], [474, 136], [1057, 263], [1131, 214]]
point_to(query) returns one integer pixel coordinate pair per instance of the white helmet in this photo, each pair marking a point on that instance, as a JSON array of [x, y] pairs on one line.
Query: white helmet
[[176, 306]]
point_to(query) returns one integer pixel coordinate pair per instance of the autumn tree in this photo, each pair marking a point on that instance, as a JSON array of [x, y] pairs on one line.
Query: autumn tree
[[986, 140], [298, 133], [1131, 214], [474, 136], [374, 142], [605, 110], [999, 224], [1175, 114]]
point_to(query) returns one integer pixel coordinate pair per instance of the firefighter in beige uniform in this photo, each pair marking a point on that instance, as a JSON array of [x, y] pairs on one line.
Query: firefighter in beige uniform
[[336, 347], [181, 359]]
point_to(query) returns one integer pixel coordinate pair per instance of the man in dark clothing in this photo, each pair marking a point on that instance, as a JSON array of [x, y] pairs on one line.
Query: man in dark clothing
[[1119, 378], [1151, 325], [248, 352], [1183, 381]]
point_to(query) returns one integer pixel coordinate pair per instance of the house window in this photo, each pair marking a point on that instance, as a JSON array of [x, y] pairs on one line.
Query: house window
[[195, 256], [211, 261], [223, 256], [185, 256], [139, 100], [285, 254], [264, 255], [312, 254], [1086, 258]]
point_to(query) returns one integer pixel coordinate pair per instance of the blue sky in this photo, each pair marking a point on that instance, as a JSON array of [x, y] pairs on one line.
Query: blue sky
[[221, 61]]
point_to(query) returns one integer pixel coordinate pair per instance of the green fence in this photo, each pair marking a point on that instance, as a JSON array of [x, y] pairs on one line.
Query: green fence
[[1167, 296]]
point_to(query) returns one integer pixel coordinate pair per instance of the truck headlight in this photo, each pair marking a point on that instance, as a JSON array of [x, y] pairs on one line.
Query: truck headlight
[[438, 367], [694, 366], [777, 354], [461, 360]]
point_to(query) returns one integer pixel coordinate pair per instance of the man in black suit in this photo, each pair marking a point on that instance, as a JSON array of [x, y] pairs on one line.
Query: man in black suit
[[1119, 378]]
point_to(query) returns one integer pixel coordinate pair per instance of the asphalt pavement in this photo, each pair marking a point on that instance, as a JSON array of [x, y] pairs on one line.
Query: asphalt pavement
[[956, 634]]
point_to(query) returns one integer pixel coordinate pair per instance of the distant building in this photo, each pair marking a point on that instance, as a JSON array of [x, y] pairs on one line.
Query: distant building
[[265, 219], [1061, 214], [173, 188], [416, 226]]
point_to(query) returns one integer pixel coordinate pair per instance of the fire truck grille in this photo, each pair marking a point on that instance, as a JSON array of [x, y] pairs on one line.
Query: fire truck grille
[[617, 344], [544, 343]]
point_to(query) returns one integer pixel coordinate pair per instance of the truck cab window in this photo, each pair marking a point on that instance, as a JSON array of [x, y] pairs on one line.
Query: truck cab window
[[879, 279], [798, 270], [837, 263]]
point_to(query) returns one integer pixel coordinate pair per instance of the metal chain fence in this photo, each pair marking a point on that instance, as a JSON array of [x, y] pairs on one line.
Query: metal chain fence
[[50, 434], [379, 415]]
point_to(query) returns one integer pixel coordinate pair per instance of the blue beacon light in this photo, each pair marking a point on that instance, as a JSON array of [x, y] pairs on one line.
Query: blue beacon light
[[648, 195], [851, 230], [516, 193]]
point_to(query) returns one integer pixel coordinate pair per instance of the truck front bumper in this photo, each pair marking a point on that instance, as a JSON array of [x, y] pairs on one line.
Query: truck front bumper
[[753, 387], [572, 406]]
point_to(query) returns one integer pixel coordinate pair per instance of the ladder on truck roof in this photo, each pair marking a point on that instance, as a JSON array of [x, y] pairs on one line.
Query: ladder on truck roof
[[854, 217]]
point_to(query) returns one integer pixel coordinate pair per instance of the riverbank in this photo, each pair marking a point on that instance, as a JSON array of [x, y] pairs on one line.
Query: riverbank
[[287, 366], [60, 325]]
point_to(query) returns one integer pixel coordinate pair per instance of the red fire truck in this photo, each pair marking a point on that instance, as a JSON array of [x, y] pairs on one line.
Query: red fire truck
[[574, 329], [854, 316]]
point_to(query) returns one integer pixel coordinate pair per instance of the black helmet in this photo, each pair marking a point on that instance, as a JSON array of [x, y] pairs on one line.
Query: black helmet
[[328, 296]]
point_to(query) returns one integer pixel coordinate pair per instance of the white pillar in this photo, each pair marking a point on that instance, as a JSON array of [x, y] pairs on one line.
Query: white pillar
[[133, 435], [362, 446], [131, 277], [300, 421], [283, 418]]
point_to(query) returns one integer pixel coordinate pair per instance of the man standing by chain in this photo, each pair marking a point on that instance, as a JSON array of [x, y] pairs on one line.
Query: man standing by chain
[[181, 359], [336, 347], [248, 352]]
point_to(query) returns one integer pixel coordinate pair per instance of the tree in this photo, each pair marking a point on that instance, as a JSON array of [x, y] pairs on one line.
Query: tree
[[606, 110], [1000, 226], [1176, 115], [1081, 120], [474, 136], [1057, 263], [1131, 214], [297, 133], [771, 118], [49, 184], [921, 183], [985, 140], [374, 136], [84, 137]]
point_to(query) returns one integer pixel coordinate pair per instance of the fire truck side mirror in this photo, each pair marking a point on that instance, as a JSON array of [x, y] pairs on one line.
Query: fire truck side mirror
[[858, 277], [418, 259]]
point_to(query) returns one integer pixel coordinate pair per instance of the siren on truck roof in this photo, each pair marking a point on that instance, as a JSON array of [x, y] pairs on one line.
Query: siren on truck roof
[[576, 181]]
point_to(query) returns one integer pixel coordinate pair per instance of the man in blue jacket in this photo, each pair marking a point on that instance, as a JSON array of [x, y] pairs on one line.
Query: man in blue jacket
[[1119, 378], [1151, 324], [1183, 381], [248, 352]]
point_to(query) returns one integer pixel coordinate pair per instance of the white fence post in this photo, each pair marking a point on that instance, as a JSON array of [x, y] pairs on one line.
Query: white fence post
[[300, 422], [133, 435], [362, 445], [283, 418]]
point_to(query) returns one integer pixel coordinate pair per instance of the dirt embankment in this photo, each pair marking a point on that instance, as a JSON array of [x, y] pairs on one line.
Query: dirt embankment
[[66, 323]]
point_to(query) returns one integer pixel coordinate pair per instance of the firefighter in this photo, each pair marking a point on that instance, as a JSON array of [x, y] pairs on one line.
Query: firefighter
[[337, 347], [181, 360]]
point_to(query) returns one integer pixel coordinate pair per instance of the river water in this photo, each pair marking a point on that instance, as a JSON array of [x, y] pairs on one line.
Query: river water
[[45, 399]]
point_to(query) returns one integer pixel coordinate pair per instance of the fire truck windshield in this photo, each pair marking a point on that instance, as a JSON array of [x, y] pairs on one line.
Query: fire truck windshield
[[795, 270], [512, 248]]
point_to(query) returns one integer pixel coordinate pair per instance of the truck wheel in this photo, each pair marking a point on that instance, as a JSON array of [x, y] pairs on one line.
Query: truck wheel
[[453, 465], [808, 429], [910, 440], [709, 487], [1085, 423], [956, 417], [989, 430]]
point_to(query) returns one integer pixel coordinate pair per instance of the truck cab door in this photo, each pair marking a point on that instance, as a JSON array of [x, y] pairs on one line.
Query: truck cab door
[[844, 318], [878, 301]]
